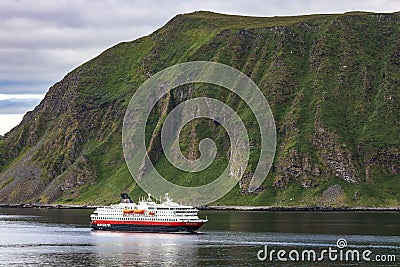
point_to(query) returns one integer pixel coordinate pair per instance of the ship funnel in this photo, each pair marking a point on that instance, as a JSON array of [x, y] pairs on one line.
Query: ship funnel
[[125, 198]]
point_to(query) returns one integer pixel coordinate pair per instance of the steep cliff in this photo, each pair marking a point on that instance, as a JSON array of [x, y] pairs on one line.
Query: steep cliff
[[332, 82]]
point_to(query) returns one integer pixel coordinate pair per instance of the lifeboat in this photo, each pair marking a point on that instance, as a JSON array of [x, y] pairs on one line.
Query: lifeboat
[[128, 211], [138, 211], [152, 213], [134, 211]]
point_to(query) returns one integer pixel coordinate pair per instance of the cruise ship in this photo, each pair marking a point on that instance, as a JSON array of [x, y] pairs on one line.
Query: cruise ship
[[146, 216]]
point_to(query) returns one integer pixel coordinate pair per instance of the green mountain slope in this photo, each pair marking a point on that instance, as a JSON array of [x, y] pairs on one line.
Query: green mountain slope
[[332, 82]]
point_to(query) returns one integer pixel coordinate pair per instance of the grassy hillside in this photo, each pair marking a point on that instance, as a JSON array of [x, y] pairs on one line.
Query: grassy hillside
[[332, 82]]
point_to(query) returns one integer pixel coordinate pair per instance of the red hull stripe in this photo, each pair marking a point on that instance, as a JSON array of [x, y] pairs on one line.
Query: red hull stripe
[[148, 223]]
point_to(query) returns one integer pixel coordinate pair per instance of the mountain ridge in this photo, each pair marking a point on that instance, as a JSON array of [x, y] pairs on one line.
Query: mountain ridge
[[331, 82]]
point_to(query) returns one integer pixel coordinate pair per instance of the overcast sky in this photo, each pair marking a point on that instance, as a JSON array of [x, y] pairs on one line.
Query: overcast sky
[[42, 40]]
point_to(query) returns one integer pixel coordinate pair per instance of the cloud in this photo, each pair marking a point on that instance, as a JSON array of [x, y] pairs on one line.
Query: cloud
[[16, 87], [9, 121], [41, 41], [17, 105]]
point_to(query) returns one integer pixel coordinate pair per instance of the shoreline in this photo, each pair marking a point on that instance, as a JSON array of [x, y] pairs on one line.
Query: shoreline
[[218, 208], [50, 206], [298, 208]]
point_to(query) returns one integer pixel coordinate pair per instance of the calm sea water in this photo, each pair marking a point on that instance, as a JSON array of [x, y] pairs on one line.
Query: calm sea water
[[51, 237]]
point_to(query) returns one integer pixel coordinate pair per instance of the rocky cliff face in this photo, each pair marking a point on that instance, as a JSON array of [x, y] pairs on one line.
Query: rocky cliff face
[[332, 82]]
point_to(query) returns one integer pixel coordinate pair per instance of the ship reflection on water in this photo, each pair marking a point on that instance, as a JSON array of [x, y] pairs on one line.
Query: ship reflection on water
[[147, 249]]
